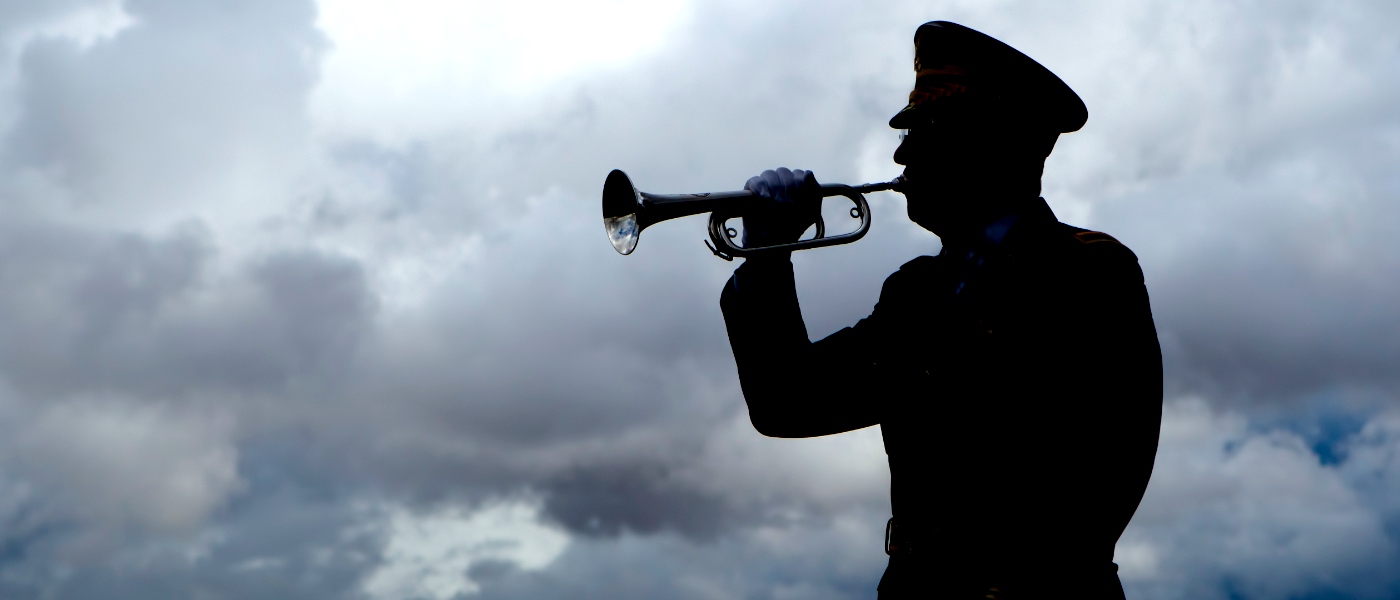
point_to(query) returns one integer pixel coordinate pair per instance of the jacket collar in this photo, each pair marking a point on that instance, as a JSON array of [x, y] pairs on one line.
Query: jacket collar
[[1033, 218], [1030, 218]]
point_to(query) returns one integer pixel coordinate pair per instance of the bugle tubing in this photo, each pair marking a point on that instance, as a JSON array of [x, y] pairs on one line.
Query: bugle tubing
[[627, 211]]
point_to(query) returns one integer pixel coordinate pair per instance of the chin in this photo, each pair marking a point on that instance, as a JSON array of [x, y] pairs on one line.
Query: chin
[[924, 210], [924, 218]]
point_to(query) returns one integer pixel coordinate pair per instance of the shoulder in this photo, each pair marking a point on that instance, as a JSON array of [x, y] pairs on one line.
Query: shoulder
[[912, 277], [1094, 257], [918, 270], [1091, 245], [918, 266]]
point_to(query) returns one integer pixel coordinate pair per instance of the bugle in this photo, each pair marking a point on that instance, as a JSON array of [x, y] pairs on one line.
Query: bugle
[[627, 211]]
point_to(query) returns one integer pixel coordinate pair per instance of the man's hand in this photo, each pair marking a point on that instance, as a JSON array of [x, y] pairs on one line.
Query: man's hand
[[788, 203]]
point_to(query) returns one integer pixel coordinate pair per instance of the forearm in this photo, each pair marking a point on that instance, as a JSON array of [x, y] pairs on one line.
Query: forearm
[[787, 381]]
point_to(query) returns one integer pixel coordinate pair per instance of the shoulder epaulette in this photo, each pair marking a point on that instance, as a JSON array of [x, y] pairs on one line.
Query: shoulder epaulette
[[1094, 237]]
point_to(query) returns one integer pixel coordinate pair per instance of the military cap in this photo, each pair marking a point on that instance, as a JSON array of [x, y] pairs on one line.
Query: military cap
[[961, 70]]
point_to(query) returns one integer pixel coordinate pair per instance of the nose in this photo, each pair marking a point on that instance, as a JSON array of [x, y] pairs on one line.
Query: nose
[[901, 154]]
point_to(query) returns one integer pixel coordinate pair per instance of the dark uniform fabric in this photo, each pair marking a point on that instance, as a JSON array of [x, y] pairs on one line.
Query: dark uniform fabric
[[1020, 411]]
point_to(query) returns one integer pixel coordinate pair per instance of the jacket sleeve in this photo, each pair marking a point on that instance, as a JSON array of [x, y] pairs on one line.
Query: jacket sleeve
[[795, 388]]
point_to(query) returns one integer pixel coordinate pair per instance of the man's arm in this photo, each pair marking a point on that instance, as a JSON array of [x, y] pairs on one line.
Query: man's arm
[[795, 388]]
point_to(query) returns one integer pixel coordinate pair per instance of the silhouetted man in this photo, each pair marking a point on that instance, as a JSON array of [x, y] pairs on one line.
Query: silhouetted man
[[1016, 375]]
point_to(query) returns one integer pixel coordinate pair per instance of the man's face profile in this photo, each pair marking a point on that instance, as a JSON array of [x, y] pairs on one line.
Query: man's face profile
[[936, 158], [959, 171]]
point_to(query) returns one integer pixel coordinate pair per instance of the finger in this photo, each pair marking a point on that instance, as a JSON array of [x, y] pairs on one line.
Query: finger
[[803, 190], [788, 181], [798, 187], [775, 186], [753, 184], [789, 185], [763, 190]]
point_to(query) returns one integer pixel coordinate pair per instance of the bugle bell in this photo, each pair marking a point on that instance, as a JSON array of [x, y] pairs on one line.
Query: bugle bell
[[627, 211]]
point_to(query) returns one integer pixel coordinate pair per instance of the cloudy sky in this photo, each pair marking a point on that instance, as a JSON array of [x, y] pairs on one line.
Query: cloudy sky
[[311, 299]]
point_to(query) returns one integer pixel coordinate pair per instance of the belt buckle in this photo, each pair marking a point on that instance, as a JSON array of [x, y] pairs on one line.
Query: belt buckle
[[890, 549]]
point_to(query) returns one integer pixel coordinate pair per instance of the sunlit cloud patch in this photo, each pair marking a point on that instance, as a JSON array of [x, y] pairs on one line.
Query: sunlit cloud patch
[[433, 555]]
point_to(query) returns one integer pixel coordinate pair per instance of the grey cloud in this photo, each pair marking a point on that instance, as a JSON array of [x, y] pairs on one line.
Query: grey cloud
[[110, 463], [321, 305], [533, 360], [278, 547], [123, 312], [638, 499], [298, 318], [74, 299], [193, 97]]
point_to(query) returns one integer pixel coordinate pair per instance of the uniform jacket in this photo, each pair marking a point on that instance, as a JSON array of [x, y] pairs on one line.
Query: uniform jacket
[[1020, 411]]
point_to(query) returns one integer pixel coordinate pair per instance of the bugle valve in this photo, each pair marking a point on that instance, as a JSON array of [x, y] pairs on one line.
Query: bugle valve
[[627, 211]]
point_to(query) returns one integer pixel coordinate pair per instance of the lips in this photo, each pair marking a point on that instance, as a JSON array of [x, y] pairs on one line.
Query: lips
[[908, 184]]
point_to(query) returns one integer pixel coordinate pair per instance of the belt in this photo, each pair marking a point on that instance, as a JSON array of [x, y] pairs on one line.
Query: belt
[[898, 545], [930, 544], [903, 543]]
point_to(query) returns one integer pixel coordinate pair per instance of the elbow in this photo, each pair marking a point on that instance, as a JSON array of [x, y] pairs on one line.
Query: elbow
[[771, 406], [763, 423], [770, 424]]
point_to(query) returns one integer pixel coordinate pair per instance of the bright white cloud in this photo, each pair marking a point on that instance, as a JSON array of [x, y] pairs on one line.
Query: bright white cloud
[[412, 68], [1373, 463], [430, 555], [87, 25]]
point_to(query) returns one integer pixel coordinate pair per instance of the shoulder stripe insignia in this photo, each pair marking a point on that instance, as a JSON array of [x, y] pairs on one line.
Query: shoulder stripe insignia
[[1090, 237]]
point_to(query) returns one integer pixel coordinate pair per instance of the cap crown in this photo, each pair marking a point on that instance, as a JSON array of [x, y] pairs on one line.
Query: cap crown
[[961, 72]]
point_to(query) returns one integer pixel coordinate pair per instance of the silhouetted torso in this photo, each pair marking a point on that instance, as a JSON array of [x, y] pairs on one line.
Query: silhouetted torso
[[1019, 395]]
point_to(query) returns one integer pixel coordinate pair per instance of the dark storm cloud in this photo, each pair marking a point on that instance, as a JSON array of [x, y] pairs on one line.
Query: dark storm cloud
[[639, 499]]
